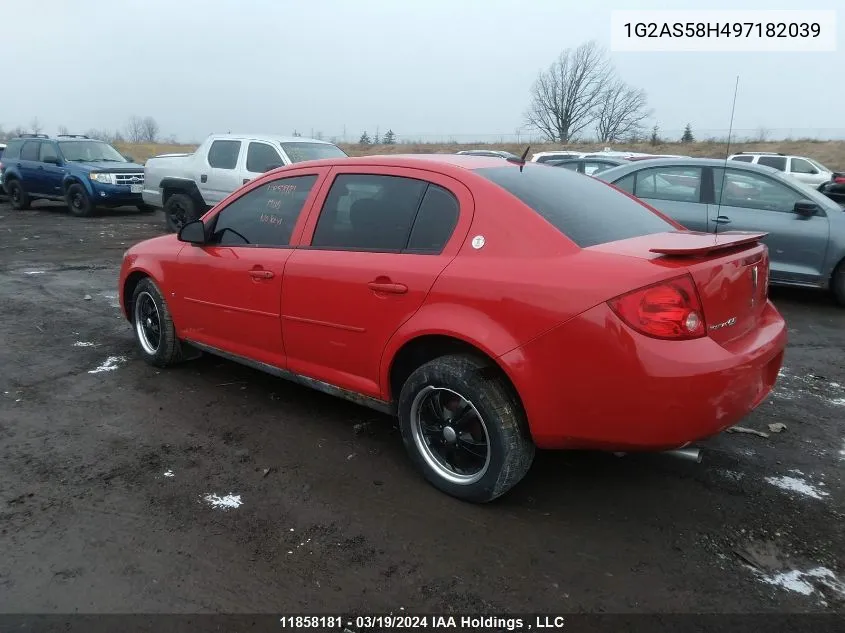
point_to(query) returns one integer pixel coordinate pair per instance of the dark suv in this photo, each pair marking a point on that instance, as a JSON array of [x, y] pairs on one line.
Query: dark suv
[[86, 173]]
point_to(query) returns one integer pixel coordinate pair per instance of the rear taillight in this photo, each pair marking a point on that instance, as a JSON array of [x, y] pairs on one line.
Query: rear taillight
[[839, 179], [668, 310]]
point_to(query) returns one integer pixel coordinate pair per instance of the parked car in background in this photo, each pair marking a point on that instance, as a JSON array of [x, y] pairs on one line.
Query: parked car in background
[[381, 279], [187, 185], [85, 173], [488, 152], [800, 168], [2, 147], [835, 187], [806, 230], [542, 157], [587, 166]]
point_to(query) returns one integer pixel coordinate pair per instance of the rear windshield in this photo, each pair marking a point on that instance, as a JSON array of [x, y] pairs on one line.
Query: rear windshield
[[586, 210], [299, 152]]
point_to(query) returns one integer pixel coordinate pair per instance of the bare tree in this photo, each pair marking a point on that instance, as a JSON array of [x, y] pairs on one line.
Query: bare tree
[[35, 125], [621, 112], [135, 129], [149, 129], [565, 97], [63, 131]]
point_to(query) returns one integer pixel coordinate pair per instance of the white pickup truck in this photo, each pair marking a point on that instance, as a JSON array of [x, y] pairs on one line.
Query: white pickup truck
[[187, 185]]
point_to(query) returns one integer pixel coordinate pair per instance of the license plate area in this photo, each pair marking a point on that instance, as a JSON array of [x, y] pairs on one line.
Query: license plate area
[[136, 188]]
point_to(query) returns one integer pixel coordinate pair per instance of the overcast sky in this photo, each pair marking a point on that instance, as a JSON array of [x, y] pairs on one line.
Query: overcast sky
[[425, 68]]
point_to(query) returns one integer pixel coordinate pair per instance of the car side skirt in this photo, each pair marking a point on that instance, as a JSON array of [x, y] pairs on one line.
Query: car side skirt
[[333, 390]]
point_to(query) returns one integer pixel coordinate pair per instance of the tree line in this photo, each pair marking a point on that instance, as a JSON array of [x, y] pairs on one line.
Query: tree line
[[137, 130]]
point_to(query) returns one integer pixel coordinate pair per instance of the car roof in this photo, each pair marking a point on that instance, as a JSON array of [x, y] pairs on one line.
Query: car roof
[[268, 137], [420, 161], [689, 162]]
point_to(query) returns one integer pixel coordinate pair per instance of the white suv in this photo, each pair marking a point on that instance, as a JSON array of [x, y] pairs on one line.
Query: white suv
[[801, 168]]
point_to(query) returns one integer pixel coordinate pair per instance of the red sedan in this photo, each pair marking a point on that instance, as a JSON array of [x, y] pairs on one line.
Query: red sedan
[[493, 306]]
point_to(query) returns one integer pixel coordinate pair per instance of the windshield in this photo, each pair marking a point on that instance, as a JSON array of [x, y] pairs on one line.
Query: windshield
[[90, 152], [299, 152]]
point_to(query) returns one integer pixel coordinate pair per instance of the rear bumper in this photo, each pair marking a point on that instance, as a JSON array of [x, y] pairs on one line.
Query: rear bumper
[[593, 383]]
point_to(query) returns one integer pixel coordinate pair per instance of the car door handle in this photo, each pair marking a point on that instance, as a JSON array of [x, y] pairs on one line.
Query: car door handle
[[396, 289], [261, 274], [722, 219], [204, 178]]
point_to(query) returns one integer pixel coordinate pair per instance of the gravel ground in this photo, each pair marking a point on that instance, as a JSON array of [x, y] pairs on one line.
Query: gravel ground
[[214, 488]]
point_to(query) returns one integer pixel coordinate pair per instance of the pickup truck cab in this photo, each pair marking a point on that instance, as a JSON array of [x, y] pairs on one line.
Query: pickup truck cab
[[83, 172], [187, 185]]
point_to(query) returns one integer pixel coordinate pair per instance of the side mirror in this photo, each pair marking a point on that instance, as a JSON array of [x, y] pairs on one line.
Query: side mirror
[[805, 208], [53, 160], [272, 167], [193, 233]]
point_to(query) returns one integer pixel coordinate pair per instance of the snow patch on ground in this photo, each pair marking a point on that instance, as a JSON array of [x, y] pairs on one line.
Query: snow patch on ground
[[797, 484], [83, 344], [225, 502], [169, 473], [806, 582], [110, 364]]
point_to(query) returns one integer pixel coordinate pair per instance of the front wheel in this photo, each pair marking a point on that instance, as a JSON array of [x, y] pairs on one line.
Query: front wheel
[[154, 330], [78, 201], [464, 428]]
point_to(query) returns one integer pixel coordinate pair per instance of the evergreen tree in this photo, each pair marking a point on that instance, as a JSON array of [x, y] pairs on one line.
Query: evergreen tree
[[655, 136], [364, 140], [389, 138], [687, 137]]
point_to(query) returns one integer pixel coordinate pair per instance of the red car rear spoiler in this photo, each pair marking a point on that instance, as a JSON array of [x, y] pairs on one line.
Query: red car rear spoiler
[[691, 243]]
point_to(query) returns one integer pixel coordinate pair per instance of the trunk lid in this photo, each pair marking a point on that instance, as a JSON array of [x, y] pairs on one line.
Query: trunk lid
[[730, 271]]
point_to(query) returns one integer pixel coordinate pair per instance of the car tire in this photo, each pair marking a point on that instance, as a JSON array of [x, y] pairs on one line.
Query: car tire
[[18, 197], [145, 208], [179, 209], [837, 284], [78, 202], [155, 334], [493, 416]]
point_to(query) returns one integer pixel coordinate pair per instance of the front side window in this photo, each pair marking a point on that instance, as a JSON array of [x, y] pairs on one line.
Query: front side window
[[746, 189], [260, 157], [681, 184], [48, 151], [224, 154], [801, 166], [90, 152], [369, 212], [264, 216], [778, 162]]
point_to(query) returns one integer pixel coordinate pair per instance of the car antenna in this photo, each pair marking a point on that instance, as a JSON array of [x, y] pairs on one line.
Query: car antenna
[[727, 154], [521, 160]]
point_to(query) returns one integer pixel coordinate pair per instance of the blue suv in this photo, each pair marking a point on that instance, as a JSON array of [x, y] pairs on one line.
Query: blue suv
[[85, 173]]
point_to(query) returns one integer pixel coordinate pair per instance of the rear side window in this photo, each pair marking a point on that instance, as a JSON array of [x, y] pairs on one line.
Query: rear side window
[[260, 157], [264, 216], [369, 212], [436, 219], [224, 154], [778, 162], [586, 210], [29, 151], [743, 159], [13, 149]]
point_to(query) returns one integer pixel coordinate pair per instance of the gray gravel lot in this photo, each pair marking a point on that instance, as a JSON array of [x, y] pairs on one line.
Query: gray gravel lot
[[115, 479]]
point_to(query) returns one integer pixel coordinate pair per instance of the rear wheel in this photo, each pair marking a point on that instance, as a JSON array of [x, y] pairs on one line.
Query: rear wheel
[[155, 334], [78, 201], [464, 428], [837, 284], [18, 198], [179, 209]]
